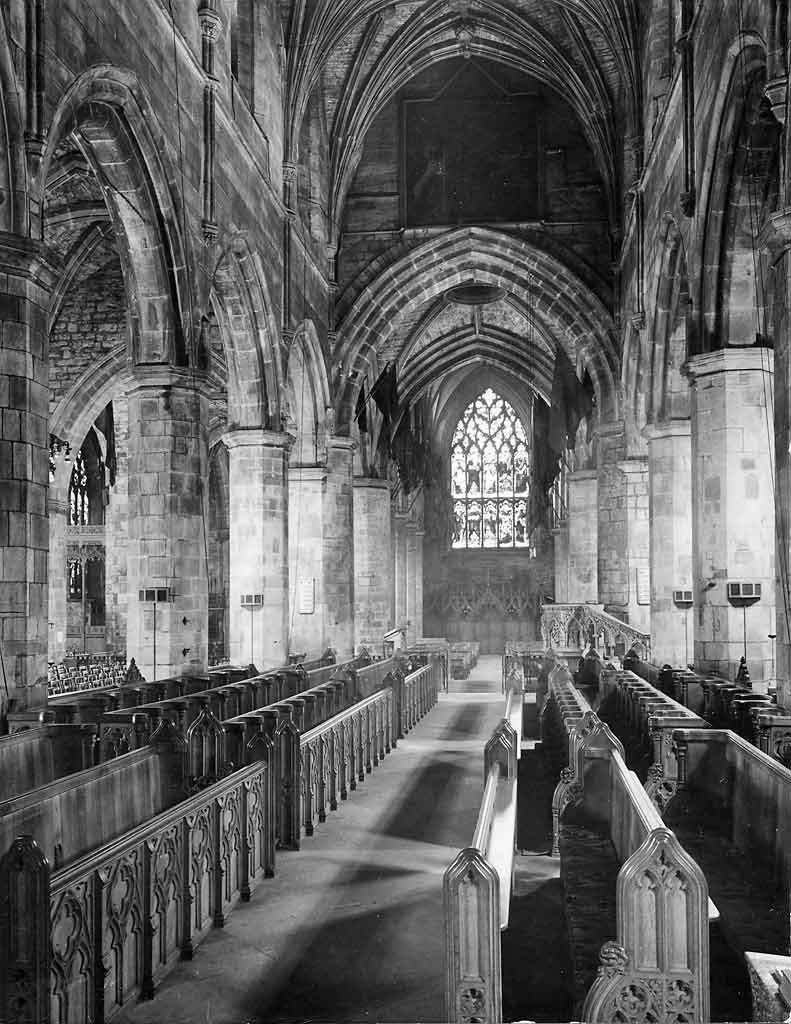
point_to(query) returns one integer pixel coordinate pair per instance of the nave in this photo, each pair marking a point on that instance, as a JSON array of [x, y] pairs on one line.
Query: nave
[[351, 928]]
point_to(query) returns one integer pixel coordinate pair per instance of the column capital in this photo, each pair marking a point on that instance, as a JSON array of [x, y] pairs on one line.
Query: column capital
[[341, 443], [371, 482], [25, 257], [730, 360], [257, 437], [669, 428], [580, 475], [56, 506], [613, 428], [307, 473], [165, 378], [639, 464]]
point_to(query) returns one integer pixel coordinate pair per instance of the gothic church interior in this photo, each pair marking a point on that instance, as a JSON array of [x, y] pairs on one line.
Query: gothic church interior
[[389, 387]]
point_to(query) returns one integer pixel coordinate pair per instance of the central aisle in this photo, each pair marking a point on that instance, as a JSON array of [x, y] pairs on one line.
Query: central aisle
[[351, 927]]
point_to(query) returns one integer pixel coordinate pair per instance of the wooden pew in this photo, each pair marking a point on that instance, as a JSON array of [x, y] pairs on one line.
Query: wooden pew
[[463, 658], [433, 645], [645, 718], [733, 808], [106, 929], [646, 957], [658, 963], [37, 756], [85, 809], [476, 892]]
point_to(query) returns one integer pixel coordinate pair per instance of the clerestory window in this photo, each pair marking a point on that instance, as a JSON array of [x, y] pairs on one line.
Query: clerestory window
[[490, 476]]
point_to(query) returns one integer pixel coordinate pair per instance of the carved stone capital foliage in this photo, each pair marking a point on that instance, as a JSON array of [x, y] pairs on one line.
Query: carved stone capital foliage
[[210, 21]]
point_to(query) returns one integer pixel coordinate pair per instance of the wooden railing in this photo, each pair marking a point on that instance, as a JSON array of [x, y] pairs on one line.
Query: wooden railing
[[83, 942], [476, 891]]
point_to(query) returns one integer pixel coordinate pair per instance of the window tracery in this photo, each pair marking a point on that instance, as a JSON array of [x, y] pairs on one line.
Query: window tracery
[[490, 476], [79, 501]]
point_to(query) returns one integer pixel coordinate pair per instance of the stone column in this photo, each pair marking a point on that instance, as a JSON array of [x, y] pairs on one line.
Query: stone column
[[25, 285], [168, 477], [561, 535], [612, 522], [670, 516], [307, 619], [373, 562], [339, 547], [411, 582], [400, 573], [782, 336], [58, 517], [116, 532], [419, 537], [733, 506], [583, 537], [258, 546], [634, 475]]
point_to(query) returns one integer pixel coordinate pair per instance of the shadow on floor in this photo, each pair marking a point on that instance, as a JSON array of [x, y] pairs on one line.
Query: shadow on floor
[[439, 805], [356, 967], [466, 723], [535, 956]]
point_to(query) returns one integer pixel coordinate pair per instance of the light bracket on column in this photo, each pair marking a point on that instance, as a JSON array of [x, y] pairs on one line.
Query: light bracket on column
[[683, 598], [252, 600], [742, 594], [159, 595]]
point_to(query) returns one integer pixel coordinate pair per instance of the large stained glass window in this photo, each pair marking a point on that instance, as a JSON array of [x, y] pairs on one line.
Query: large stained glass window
[[490, 476]]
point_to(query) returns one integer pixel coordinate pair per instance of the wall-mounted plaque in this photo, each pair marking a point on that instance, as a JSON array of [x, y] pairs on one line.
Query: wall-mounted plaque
[[306, 595]]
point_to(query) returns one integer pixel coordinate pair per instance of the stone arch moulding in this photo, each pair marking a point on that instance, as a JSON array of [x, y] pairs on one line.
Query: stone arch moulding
[[78, 409], [13, 167], [565, 308], [745, 59], [308, 392], [108, 111], [673, 288], [247, 323]]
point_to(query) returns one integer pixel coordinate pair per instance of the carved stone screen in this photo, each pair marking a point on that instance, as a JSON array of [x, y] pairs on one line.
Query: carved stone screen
[[490, 476], [471, 158]]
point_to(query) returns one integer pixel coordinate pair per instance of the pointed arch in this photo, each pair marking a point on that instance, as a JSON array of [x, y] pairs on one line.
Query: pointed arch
[[13, 166], [563, 306], [248, 327], [107, 110], [669, 389], [723, 187], [308, 394]]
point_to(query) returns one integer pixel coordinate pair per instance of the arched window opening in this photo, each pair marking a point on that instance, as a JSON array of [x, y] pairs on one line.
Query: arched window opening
[[490, 476], [86, 487]]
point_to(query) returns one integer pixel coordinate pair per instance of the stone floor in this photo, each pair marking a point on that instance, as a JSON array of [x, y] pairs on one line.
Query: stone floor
[[351, 927]]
